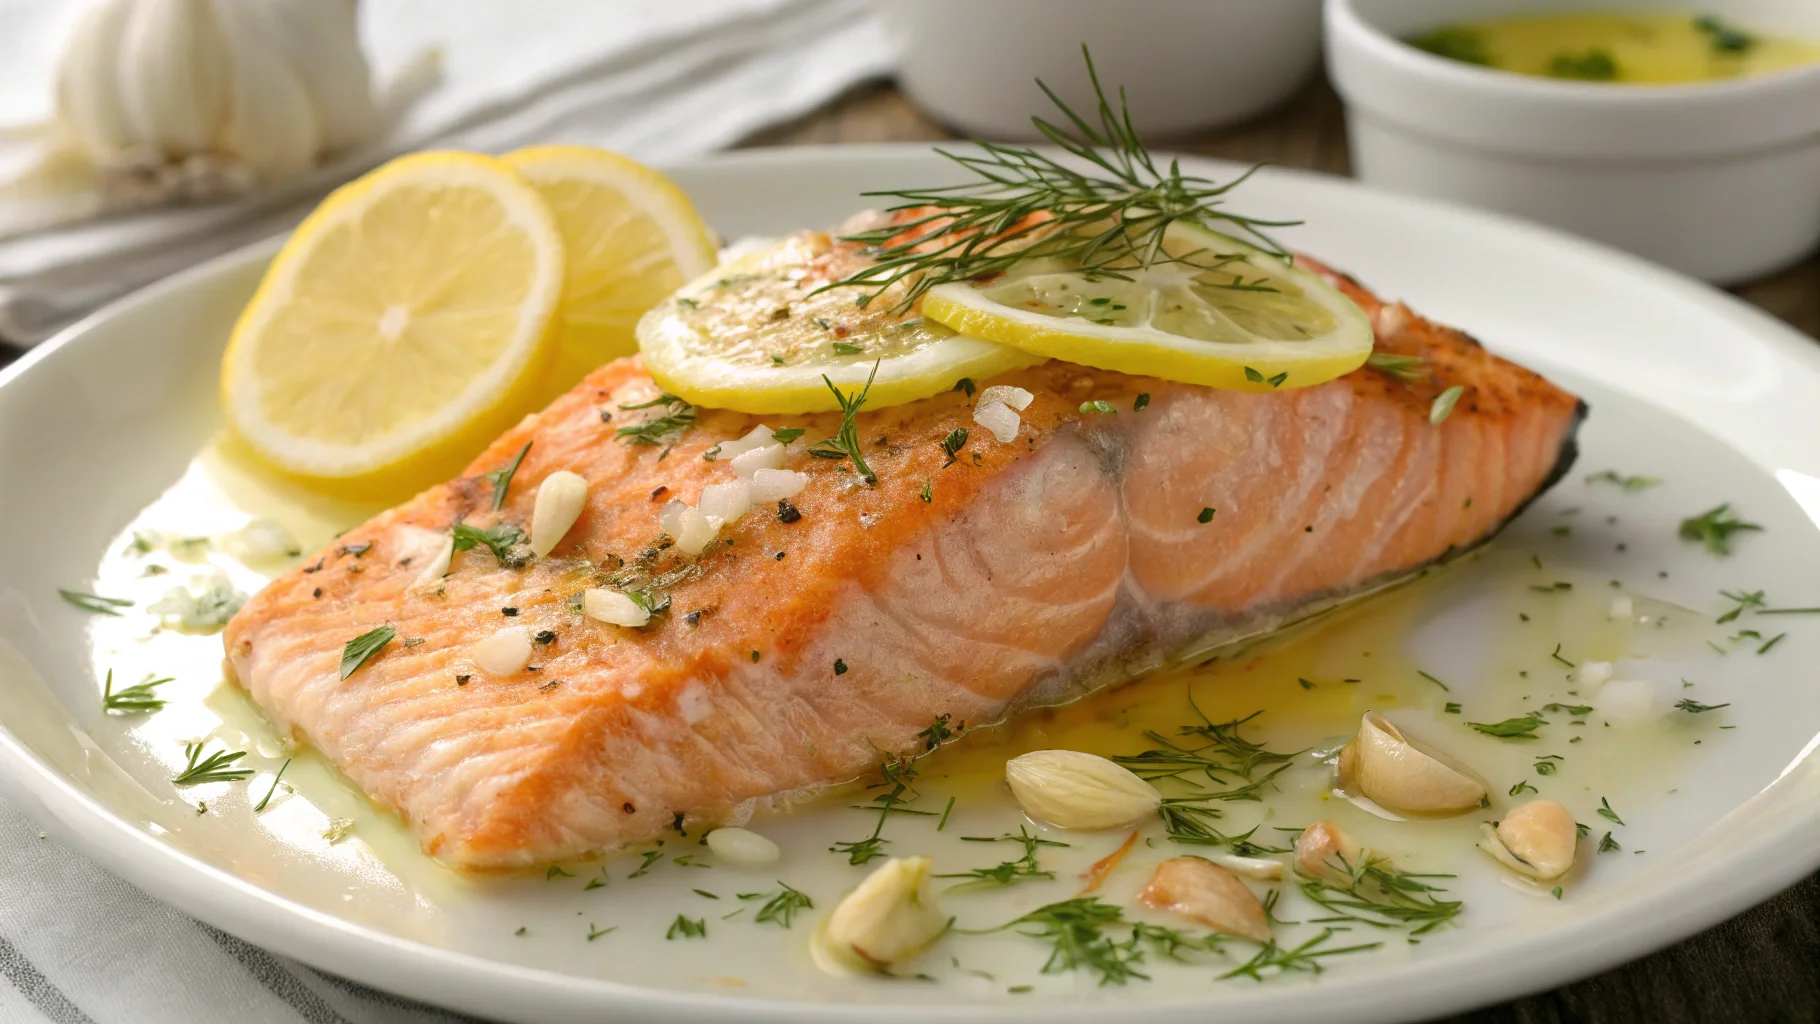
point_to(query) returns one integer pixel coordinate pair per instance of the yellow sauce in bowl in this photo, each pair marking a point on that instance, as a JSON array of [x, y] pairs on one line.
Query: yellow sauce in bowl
[[1636, 49]]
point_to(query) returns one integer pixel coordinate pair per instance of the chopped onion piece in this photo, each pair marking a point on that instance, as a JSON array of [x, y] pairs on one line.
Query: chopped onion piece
[[1622, 608], [1593, 673], [503, 653], [1016, 398], [770, 485], [613, 607], [770, 456], [560, 499], [695, 530], [998, 418], [757, 437], [1626, 700], [726, 502], [670, 519]]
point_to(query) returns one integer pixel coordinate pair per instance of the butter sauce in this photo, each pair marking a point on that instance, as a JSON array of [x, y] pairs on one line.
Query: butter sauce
[[1627, 48]]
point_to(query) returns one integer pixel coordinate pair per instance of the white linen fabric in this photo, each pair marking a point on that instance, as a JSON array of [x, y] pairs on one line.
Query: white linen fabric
[[657, 81]]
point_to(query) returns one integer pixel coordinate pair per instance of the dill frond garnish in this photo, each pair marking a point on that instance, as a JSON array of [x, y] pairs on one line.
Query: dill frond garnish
[[1274, 959], [845, 442], [134, 698], [1714, 528], [267, 798], [779, 906], [1078, 932], [501, 478], [678, 415], [897, 773], [1624, 482], [1006, 872], [1745, 599], [1103, 208], [1218, 765], [501, 538], [213, 768], [1374, 893], [1694, 707]]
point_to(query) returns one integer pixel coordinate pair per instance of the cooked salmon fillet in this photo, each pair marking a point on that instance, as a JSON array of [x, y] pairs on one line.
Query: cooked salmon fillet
[[797, 651]]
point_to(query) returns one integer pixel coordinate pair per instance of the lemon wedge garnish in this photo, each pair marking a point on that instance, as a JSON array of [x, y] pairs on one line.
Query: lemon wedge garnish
[[404, 325], [630, 237], [755, 335], [1212, 311]]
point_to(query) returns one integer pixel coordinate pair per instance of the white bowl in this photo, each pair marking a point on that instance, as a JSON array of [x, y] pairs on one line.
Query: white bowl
[[1720, 180], [1186, 64]]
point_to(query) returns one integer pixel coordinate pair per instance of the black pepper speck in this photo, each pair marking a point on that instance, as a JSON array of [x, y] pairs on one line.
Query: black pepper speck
[[840, 667], [508, 612], [787, 512]]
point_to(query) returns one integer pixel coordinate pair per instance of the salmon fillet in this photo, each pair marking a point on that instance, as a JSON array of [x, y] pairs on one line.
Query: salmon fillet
[[794, 654]]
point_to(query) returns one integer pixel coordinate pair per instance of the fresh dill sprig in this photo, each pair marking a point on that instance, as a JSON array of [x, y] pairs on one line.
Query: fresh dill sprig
[[1714, 528], [501, 478], [1374, 893], [213, 768], [677, 415], [897, 773], [1188, 820], [1219, 765], [134, 698], [1274, 959], [95, 602], [1076, 930], [845, 442], [1007, 872], [779, 906], [1108, 220]]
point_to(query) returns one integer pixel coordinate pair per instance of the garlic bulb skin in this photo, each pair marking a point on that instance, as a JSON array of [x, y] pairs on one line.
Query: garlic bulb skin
[[210, 88]]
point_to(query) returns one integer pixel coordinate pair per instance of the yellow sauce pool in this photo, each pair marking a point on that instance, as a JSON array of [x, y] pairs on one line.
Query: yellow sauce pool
[[1635, 49]]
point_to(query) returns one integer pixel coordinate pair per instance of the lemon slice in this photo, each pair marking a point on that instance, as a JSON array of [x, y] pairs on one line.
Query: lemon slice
[[404, 325], [1216, 312], [630, 238], [754, 335]]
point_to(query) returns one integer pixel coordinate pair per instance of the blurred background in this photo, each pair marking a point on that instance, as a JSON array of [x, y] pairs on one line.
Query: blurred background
[[182, 179]]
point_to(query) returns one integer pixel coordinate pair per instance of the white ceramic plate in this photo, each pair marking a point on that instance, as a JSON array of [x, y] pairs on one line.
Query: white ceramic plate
[[1685, 384]]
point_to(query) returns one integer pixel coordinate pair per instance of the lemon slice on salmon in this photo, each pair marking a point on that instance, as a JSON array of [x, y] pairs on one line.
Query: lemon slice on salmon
[[630, 237], [757, 334], [1211, 310], [404, 325]]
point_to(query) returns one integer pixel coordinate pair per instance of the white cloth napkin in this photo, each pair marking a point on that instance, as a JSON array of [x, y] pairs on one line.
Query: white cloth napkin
[[659, 81]]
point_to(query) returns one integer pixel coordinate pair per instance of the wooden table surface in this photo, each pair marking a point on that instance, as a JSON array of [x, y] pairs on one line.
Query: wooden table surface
[[1761, 966]]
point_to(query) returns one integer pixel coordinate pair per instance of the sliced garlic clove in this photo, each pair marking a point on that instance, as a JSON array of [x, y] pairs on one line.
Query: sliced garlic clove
[[560, 499], [1537, 840], [438, 565], [1384, 765], [504, 653], [743, 847], [888, 919], [1072, 789], [998, 418], [1323, 850], [1207, 894], [613, 607]]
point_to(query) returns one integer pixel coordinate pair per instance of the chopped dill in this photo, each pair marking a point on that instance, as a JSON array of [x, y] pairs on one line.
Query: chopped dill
[[503, 539], [1714, 528], [1273, 959], [1694, 707], [780, 906], [845, 442], [1377, 894], [696, 929], [678, 415], [501, 478], [651, 857], [1607, 813], [952, 444], [1007, 872], [1745, 599], [1523, 728]]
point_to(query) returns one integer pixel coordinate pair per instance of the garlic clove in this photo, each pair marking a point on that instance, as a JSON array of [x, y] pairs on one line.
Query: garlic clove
[[1323, 850], [1072, 789], [888, 919], [560, 499], [171, 76], [505, 652], [743, 847], [1261, 868], [320, 40], [1207, 894], [88, 100], [613, 607], [998, 418], [1537, 840], [1382, 764], [270, 123], [438, 565]]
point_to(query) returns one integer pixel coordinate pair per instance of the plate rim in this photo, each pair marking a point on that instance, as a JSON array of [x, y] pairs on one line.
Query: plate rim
[[1705, 896]]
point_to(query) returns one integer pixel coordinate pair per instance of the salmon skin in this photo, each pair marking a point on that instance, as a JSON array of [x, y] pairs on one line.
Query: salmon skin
[[799, 649]]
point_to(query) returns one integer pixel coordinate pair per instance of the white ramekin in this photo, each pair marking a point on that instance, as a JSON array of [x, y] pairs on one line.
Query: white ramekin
[[1720, 180], [1186, 64]]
